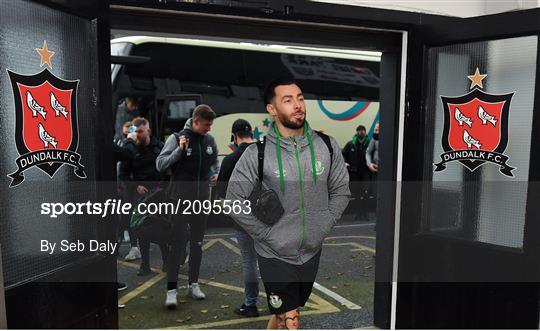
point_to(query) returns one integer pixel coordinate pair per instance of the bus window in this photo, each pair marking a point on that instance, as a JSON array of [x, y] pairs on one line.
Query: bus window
[[179, 109]]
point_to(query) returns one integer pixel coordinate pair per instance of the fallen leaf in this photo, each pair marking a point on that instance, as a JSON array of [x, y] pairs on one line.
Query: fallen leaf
[[184, 320], [215, 317], [182, 301], [213, 278], [144, 297], [334, 286], [204, 311], [133, 316], [225, 294], [340, 273], [224, 306], [368, 267], [327, 277]]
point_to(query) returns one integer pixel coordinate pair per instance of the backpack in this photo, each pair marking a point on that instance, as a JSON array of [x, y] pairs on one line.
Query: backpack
[[266, 204], [156, 228]]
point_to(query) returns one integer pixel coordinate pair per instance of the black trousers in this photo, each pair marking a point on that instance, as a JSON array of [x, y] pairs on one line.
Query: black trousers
[[360, 183], [145, 239], [130, 196], [186, 228]]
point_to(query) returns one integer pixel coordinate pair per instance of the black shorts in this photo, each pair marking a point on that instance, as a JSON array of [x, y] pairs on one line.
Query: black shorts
[[288, 286]]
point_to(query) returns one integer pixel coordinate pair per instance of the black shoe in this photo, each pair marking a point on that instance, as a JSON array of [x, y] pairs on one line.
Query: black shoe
[[121, 286], [144, 271], [247, 311]]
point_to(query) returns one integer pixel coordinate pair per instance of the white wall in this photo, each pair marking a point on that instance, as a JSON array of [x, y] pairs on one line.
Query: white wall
[[459, 8]]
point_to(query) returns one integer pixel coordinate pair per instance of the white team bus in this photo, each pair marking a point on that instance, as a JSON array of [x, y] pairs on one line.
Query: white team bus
[[172, 75]]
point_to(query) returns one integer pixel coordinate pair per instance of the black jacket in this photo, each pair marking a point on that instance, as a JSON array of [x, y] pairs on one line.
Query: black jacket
[[355, 155], [225, 172], [227, 167], [124, 151], [142, 167]]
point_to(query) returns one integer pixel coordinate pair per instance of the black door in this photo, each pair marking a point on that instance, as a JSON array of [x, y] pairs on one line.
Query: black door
[[469, 231], [59, 51]]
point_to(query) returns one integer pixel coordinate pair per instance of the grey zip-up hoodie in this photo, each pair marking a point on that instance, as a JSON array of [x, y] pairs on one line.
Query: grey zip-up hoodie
[[311, 207], [191, 168]]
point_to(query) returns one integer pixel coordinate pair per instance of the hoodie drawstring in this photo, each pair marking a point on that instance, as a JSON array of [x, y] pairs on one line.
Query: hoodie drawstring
[[280, 161]]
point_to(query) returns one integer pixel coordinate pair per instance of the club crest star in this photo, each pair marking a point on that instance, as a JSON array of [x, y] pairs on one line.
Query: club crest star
[[45, 55], [476, 79]]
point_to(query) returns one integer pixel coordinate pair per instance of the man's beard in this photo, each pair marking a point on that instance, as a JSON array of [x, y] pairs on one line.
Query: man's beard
[[286, 122], [143, 142]]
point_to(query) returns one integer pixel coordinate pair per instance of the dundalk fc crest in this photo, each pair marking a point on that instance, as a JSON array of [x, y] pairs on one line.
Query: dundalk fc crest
[[46, 129], [476, 128]]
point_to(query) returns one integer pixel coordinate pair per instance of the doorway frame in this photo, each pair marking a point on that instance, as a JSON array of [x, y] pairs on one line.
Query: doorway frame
[[481, 28], [315, 30]]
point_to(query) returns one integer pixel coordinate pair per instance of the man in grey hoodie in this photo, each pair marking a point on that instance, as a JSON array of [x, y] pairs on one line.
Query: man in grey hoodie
[[313, 188], [191, 158]]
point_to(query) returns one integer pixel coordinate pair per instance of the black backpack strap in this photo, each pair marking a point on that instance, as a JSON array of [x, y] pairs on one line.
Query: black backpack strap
[[260, 158], [328, 143]]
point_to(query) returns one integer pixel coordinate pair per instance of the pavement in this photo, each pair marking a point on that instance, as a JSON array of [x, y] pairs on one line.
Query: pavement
[[342, 297]]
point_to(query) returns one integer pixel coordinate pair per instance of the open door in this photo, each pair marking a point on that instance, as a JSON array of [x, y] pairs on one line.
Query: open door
[[55, 62], [469, 230]]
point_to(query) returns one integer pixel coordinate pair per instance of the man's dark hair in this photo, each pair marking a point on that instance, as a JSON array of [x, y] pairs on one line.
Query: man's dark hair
[[360, 127], [140, 121], [204, 112], [132, 99], [270, 90]]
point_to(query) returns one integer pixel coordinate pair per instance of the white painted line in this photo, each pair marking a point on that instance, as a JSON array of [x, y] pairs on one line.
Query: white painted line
[[337, 297], [353, 225], [228, 234]]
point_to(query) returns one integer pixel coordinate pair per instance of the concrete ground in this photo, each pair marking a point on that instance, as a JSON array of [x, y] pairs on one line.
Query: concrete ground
[[342, 297]]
